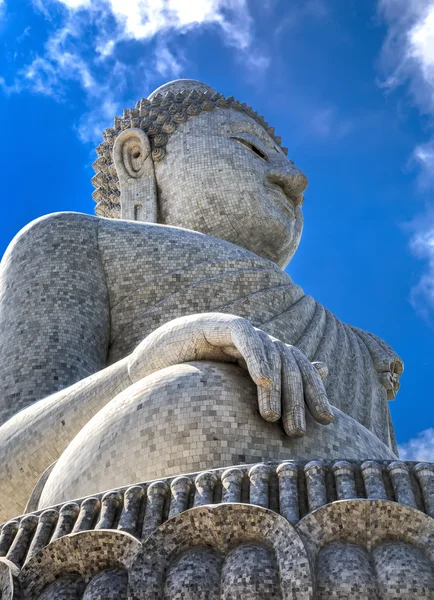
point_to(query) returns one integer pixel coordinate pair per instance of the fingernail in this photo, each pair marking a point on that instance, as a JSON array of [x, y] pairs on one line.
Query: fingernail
[[265, 382], [296, 432], [327, 417], [300, 424], [270, 415]]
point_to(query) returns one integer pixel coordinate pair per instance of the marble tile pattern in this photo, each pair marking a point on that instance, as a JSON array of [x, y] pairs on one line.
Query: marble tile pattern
[[370, 549], [85, 554], [184, 273], [142, 434], [291, 488], [67, 587], [254, 554], [9, 584], [170, 347], [346, 550], [159, 116], [26, 282]]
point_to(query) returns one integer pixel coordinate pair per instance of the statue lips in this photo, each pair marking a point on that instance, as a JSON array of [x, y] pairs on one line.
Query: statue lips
[[286, 202], [290, 182]]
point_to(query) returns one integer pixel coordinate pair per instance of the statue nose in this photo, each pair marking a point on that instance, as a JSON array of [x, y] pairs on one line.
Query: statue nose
[[290, 178]]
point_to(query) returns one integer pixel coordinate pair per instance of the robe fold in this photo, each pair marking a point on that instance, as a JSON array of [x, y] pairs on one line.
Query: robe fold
[[198, 273]]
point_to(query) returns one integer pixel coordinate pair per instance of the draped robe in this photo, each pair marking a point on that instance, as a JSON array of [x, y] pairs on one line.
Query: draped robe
[[153, 274], [198, 273]]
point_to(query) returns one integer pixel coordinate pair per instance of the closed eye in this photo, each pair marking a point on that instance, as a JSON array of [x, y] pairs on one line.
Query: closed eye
[[254, 149]]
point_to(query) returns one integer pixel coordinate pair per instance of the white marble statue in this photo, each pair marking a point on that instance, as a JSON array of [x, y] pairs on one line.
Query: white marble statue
[[170, 339]]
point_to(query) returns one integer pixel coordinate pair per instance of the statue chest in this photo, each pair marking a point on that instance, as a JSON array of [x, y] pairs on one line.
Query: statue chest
[[159, 274]]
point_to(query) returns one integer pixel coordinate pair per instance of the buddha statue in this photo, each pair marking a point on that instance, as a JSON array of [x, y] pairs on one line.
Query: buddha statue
[[163, 335]]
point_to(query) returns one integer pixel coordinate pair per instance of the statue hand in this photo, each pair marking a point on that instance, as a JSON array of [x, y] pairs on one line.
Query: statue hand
[[285, 378]]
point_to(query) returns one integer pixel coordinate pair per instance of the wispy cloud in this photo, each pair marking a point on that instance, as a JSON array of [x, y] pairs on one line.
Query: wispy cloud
[[167, 63], [420, 448], [317, 9], [422, 246], [328, 122], [424, 155], [408, 51], [144, 19], [94, 44], [408, 59]]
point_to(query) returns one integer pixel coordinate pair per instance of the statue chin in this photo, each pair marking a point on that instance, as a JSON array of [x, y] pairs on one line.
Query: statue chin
[[186, 418]]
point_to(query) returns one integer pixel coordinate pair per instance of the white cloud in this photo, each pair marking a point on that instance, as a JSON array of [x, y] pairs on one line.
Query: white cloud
[[421, 48], [422, 246], [90, 44], [92, 123], [424, 154], [408, 59], [167, 64], [327, 122], [144, 19], [408, 51], [420, 448]]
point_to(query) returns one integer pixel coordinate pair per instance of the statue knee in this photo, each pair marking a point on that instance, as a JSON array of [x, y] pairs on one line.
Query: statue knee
[[187, 418]]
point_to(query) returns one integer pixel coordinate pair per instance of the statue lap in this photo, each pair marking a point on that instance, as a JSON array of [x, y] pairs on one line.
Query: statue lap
[[186, 418]]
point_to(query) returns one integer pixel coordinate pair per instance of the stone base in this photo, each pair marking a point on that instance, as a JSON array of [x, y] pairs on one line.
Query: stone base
[[346, 550], [292, 489]]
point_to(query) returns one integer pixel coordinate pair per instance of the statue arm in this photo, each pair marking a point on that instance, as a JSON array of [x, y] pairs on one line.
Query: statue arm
[[286, 380], [47, 427], [54, 313]]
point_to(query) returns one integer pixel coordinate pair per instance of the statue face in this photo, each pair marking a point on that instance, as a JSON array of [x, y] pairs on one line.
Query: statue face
[[223, 175]]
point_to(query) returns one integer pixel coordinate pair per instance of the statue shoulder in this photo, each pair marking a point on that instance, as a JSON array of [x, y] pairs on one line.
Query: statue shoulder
[[51, 229], [63, 236]]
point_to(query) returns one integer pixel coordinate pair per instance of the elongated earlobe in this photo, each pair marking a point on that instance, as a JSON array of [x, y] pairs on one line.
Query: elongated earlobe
[[134, 167]]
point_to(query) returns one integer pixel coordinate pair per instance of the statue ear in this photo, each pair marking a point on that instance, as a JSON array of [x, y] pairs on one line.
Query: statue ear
[[135, 169]]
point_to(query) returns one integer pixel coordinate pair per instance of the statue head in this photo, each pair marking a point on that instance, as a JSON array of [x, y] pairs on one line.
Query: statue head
[[189, 157]]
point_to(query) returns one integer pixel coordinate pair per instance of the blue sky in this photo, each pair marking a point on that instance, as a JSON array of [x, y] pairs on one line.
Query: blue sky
[[348, 84]]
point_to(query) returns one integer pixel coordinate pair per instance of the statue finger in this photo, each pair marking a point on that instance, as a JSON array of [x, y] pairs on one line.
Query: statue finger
[[232, 351], [320, 366], [270, 399], [314, 392], [293, 409], [247, 340], [322, 369]]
